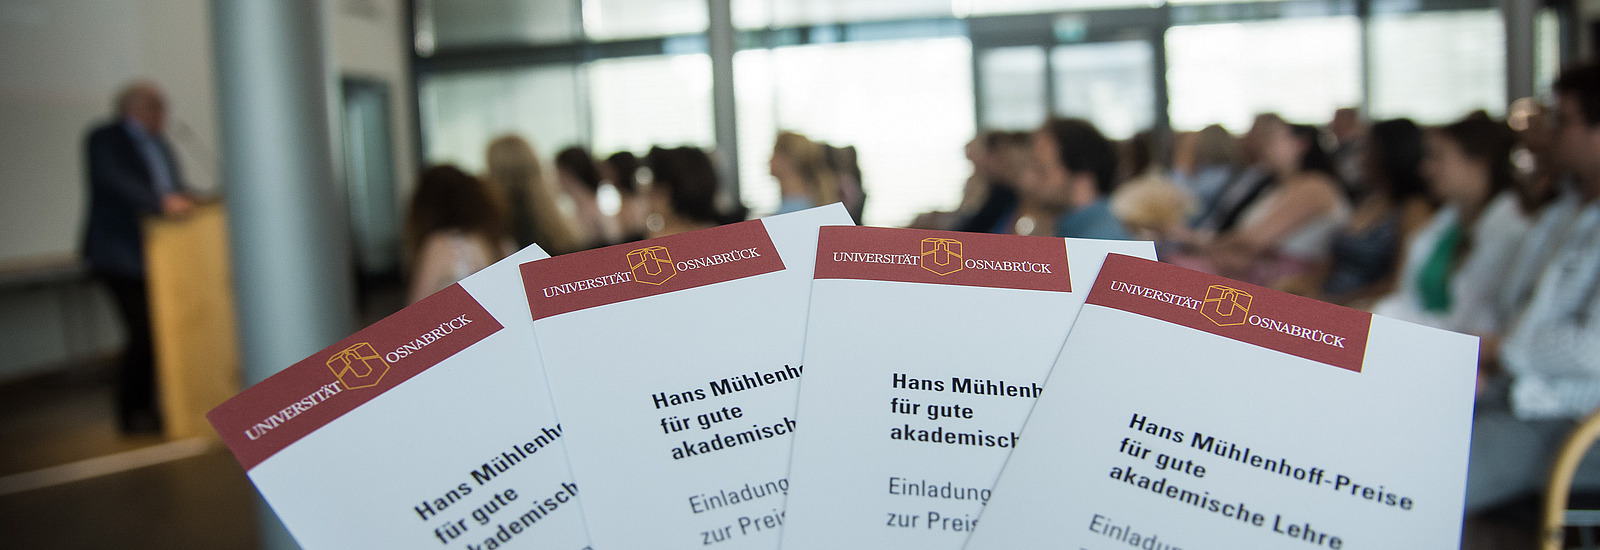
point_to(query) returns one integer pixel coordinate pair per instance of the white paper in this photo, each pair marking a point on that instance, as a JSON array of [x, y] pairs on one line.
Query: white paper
[[1318, 456], [853, 486], [609, 365], [428, 463]]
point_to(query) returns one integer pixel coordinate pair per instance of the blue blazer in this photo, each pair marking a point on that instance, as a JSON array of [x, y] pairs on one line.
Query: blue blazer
[[121, 193]]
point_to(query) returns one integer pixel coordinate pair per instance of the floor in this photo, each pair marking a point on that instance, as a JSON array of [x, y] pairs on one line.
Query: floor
[[201, 501], [68, 479]]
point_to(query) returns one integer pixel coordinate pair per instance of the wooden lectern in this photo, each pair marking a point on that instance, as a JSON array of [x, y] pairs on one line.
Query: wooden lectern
[[192, 317]]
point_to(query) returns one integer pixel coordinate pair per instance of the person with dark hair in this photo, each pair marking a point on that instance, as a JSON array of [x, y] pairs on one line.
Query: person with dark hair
[[1074, 168], [1548, 369], [1285, 232], [455, 227], [683, 191], [1362, 255], [989, 200], [580, 179], [846, 170], [621, 172], [1453, 266], [132, 174]]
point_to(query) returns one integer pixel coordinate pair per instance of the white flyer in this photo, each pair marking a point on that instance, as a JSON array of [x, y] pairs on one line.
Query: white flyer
[[678, 359], [430, 429], [1190, 411], [924, 353]]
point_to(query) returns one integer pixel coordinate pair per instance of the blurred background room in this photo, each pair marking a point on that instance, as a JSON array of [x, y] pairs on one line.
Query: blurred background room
[[198, 193]]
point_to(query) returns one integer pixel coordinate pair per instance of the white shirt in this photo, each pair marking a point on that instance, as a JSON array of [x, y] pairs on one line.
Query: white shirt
[[1475, 284], [1553, 349]]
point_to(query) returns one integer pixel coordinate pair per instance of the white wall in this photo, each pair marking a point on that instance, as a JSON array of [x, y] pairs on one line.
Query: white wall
[[369, 41], [63, 62]]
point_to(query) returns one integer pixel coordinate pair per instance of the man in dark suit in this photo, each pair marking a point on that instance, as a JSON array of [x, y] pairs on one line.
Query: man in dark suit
[[132, 174]]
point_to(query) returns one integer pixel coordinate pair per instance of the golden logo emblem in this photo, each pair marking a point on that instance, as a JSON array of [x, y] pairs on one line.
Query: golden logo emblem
[[1226, 306], [941, 256], [652, 265], [358, 366]]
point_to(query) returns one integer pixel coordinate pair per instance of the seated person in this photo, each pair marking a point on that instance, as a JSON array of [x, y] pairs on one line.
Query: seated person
[[1073, 170], [456, 226], [683, 191], [1362, 256], [1550, 352], [1453, 266], [1287, 231]]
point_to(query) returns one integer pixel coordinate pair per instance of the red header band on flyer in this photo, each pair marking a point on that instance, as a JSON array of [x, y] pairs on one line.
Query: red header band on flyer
[[602, 276], [1276, 320], [280, 410], [943, 257]]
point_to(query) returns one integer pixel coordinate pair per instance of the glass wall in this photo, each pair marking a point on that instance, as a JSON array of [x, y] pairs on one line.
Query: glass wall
[[1013, 84], [463, 112], [1108, 83], [910, 149], [1302, 69], [655, 100], [1436, 67]]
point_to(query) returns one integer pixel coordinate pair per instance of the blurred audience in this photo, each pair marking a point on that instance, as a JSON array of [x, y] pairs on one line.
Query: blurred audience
[[846, 170], [1285, 231], [455, 227], [1453, 264], [1072, 174], [1363, 253], [1148, 202], [1548, 370], [1205, 161], [683, 191], [804, 177], [580, 180], [1347, 133], [621, 172], [534, 214], [1152, 207], [1221, 213], [991, 197]]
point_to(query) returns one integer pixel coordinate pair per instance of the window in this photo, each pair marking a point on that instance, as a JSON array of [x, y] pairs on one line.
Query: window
[[657, 100], [1302, 69], [445, 24], [622, 19], [755, 14], [462, 112], [1435, 67], [1013, 84], [1108, 83], [905, 105]]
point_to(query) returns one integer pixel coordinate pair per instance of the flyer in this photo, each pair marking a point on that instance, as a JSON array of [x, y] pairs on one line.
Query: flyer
[[1190, 411], [924, 352], [430, 429], [675, 362]]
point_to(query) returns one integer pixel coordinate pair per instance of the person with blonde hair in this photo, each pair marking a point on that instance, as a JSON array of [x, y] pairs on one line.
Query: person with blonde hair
[[804, 179], [535, 217]]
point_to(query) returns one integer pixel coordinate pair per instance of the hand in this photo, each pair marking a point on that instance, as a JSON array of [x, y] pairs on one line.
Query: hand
[[176, 205]]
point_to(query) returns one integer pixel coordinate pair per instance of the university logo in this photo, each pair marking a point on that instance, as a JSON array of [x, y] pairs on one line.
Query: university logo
[[941, 256], [651, 265], [358, 366], [1226, 306]]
